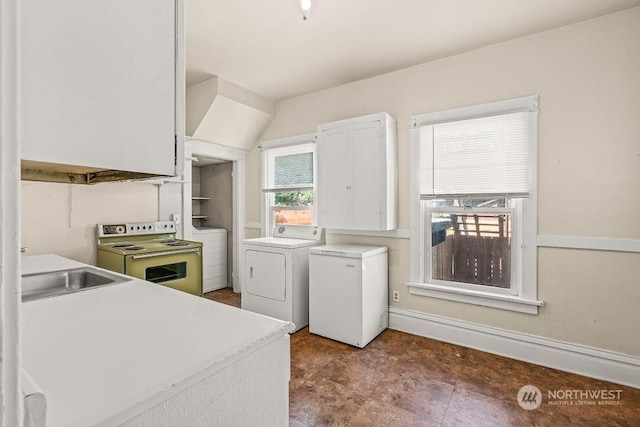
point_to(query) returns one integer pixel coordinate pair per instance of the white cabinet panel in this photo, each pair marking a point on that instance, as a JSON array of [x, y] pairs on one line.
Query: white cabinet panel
[[214, 257], [357, 173], [101, 84]]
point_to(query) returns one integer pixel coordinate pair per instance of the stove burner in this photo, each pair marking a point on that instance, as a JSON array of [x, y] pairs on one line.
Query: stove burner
[[122, 245], [177, 243], [134, 248]]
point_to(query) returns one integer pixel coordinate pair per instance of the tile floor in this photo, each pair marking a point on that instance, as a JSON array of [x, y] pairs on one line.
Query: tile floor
[[405, 380]]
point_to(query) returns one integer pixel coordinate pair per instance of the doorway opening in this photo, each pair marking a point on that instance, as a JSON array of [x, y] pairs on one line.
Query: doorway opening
[[213, 208]]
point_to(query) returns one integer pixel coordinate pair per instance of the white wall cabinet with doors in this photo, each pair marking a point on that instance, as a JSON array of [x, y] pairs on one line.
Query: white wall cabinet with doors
[[357, 173], [102, 89]]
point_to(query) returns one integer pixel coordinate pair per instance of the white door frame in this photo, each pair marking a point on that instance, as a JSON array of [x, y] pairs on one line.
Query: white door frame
[[195, 148], [10, 303]]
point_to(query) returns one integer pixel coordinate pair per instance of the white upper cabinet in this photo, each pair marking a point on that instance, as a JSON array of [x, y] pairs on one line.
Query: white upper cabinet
[[357, 173], [102, 89]]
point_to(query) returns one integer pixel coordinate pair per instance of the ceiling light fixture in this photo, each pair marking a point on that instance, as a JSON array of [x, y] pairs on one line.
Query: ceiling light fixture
[[305, 5]]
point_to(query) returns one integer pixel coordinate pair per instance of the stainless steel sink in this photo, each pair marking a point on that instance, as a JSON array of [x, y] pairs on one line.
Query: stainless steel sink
[[43, 285]]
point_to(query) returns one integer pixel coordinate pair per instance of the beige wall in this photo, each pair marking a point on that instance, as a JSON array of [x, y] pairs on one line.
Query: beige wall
[[61, 218], [587, 78]]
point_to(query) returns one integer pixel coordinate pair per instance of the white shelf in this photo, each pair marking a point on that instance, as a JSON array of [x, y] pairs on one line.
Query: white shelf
[[160, 181]]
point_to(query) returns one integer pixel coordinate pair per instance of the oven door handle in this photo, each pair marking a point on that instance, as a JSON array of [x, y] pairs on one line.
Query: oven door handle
[[155, 254]]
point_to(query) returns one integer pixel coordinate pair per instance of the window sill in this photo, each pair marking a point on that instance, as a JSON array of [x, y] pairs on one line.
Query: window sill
[[505, 302]]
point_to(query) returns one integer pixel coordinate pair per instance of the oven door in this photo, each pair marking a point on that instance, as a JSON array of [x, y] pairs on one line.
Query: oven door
[[178, 269]]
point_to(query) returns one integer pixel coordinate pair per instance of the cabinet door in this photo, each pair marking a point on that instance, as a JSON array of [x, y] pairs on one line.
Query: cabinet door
[[335, 165], [98, 83], [265, 274], [368, 150]]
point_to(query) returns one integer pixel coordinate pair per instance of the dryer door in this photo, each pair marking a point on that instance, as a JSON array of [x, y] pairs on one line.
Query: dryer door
[[265, 274]]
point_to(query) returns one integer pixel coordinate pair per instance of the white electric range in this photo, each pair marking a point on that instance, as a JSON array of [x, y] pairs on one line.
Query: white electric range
[[150, 251]]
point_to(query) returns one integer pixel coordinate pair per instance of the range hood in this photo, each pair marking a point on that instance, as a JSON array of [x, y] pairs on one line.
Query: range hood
[[224, 113], [70, 174]]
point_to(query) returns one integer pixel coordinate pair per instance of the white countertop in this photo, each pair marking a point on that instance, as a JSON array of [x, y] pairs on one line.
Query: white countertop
[[44, 263], [107, 354]]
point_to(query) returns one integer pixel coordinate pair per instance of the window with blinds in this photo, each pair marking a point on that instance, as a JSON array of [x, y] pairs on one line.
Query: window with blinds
[[474, 179], [290, 184]]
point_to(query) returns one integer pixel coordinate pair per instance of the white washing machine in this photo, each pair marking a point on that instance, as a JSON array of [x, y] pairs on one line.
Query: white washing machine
[[275, 279]]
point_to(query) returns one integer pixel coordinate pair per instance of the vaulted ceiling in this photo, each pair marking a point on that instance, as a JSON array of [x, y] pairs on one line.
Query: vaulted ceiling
[[266, 47]]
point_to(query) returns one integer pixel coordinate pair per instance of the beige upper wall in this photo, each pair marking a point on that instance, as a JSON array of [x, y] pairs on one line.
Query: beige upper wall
[[587, 78], [61, 218]]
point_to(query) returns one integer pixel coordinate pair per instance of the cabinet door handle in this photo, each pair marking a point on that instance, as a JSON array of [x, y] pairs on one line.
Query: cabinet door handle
[[250, 272]]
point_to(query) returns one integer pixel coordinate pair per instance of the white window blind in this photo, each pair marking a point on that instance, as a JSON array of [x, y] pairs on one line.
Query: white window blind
[[293, 170], [290, 169], [483, 156]]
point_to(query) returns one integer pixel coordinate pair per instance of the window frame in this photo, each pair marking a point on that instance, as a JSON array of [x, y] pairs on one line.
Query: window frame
[[269, 151], [516, 253], [522, 296]]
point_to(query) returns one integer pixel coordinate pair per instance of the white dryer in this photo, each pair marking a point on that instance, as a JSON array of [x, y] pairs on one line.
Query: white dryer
[[275, 279]]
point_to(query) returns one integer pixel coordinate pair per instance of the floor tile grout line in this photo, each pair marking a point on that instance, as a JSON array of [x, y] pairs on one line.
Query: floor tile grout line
[[446, 411]]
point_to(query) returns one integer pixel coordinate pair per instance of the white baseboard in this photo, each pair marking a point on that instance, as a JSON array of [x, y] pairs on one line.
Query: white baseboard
[[578, 359]]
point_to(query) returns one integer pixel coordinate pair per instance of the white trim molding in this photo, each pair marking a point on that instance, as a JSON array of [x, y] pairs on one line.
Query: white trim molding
[[589, 243], [195, 148], [398, 233], [11, 400], [253, 224], [202, 148], [487, 299], [287, 141], [575, 358]]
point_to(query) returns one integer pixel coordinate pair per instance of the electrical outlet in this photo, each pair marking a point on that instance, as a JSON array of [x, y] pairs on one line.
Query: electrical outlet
[[396, 296], [176, 218]]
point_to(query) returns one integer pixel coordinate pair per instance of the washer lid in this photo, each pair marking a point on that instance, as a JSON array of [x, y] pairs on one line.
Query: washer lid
[[281, 242], [348, 250]]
